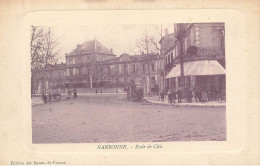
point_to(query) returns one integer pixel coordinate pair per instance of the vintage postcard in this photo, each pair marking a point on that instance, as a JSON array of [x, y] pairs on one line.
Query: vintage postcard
[[107, 86]]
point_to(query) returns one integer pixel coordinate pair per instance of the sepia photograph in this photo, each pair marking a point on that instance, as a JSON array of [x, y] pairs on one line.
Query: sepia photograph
[[128, 83], [143, 82]]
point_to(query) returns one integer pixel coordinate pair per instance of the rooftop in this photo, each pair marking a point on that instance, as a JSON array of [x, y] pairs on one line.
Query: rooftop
[[91, 46]]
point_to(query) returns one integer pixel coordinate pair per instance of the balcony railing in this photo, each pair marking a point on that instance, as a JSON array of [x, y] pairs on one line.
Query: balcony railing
[[208, 52]]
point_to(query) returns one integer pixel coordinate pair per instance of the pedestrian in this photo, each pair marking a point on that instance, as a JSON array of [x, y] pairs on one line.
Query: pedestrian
[[75, 95], [44, 98], [179, 94], [170, 96], [189, 95], [174, 97], [50, 97], [162, 95], [204, 94], [166, 96], [196, 94], [69, 93]]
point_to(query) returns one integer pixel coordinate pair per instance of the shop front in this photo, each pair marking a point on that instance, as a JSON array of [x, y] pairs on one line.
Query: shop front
[[201, 74]]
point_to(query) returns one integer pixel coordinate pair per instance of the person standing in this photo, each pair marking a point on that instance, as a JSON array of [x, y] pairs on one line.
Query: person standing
[[196, 94], [204, 94], [162, 95], [174, 96], [75, 95], [44, 98], [170, 97], [189, 95], [69, 93], [166, 96], [50, 97], [179, 94]]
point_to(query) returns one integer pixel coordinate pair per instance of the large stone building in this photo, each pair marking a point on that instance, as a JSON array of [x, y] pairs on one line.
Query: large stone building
[[200, 47], [92, 66], [54, 76]]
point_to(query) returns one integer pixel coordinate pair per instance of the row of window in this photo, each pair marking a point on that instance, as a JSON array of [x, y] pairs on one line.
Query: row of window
[[133, 69]]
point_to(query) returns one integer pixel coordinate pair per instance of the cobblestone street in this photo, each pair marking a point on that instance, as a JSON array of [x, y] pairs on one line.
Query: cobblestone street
[[112, 118]]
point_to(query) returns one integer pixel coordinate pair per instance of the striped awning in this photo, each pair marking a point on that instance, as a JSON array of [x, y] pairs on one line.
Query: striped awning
[[197, 68]]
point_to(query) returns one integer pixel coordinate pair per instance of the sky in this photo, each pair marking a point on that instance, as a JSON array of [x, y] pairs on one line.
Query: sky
[[121, 38]]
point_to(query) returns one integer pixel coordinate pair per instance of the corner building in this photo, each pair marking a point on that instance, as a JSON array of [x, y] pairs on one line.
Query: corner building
[[202, 47]]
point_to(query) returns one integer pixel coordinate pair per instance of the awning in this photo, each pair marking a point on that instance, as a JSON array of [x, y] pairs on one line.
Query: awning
[[197, 68]]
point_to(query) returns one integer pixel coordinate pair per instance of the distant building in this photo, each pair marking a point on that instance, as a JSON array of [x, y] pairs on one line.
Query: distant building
[[91, 65], [55, 78], [203, 51]]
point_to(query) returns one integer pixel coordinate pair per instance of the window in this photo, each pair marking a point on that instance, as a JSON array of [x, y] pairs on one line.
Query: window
[[153, 67], [101, 70], [71, 71], [124, 68], [172, 56], [109, 71], [197, 36], [143, 67], [133, 68], [80, 71]]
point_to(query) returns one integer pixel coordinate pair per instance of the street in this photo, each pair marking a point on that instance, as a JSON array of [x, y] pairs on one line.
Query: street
[[112, 118]]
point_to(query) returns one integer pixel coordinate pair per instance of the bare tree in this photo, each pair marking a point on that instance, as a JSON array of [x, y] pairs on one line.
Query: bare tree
[[44, 51], [36, 46], [149, 43]]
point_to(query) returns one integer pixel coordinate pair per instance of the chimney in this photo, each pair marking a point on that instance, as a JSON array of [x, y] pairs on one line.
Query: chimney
[[142, 53], [111, 50], [79, 47], [166, 32], [95, 44]]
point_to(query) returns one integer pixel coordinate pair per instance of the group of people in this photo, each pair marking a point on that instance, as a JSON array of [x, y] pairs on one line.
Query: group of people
[[74, 91], [51, 97], [199, 94], [171, 95], [54, 95]]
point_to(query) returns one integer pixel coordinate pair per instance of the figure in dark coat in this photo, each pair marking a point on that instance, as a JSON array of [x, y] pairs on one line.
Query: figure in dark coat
[[179, 94], [50, 97], [44, 98], [197, 95], [189, 95], [172, 96], [75, 95], [162, 95]]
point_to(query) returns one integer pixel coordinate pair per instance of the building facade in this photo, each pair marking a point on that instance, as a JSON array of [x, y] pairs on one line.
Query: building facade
[[197, 58], [92, 66], [53, 76]]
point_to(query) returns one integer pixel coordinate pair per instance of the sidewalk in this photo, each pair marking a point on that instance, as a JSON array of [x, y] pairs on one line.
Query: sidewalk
[[37, 99], [155, 100]]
